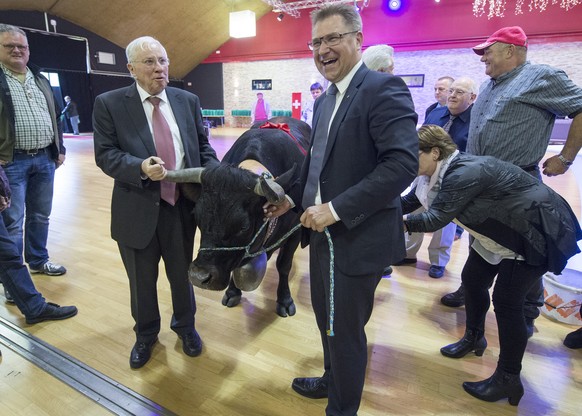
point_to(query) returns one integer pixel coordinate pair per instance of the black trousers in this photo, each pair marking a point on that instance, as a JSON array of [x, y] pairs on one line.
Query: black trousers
[[175, 245], [345, 354], [514, 280]]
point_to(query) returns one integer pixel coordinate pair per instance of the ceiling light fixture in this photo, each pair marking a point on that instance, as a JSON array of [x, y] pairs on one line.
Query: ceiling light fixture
[[496, 8], [292, 7], [280, 17], [242, 24]]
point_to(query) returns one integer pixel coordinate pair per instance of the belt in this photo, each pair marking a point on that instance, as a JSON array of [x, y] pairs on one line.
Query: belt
[[31, 152]]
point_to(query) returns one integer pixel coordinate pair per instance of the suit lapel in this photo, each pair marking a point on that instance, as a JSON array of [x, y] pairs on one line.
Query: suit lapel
[[347, 100], [137, 115]]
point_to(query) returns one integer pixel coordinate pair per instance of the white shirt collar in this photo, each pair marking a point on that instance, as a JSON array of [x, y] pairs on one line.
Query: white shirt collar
[[343, 85], [144, 95]]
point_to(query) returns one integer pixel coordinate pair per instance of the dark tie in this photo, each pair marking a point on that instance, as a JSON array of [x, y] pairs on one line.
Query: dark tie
[[318, 149], [449, 123], [164, 148]]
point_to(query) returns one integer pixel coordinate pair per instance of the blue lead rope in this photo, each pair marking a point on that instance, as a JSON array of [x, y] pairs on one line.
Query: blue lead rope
[[280, 241], [331, 283]]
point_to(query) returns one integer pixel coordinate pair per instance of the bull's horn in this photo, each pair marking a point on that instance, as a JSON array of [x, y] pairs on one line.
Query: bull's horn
[[191, 175], [270, 190]]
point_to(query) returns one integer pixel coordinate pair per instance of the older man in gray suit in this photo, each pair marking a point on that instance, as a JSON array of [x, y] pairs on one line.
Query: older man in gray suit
[[139, 132]]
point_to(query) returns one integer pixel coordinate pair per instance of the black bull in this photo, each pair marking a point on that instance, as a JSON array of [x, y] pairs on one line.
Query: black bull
[[230, 216]]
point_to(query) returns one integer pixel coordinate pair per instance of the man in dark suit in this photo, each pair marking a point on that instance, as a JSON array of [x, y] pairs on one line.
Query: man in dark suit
[[146, 227], [369, 156]]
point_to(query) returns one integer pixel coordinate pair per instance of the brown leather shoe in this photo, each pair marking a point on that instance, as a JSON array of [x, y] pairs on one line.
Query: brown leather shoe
[[312, 387]]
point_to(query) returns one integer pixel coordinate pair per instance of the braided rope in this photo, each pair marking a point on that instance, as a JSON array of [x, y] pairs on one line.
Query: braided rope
[[331, 283], [248, 247]]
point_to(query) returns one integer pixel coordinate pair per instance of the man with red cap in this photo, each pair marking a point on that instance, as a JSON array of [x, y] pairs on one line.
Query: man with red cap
[[512, 120]]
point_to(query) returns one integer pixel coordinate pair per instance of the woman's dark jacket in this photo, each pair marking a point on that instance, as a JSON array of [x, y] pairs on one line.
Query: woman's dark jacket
[[501, 201]]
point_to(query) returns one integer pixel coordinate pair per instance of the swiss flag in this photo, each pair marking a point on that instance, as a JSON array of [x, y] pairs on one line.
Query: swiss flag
[[296, 105]]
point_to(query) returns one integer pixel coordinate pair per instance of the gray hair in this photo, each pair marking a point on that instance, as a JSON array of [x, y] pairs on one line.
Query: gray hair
[[347, 11], [144, 43], [4, 28], [469, 82], [379, 58]]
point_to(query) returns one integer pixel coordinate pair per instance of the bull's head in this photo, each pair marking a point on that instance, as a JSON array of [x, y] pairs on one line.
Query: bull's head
[[229, 213], [264, 186]]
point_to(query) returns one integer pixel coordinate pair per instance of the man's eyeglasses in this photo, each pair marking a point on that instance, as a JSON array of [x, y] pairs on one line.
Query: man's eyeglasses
[[332, 39], [12, 46], [151, 62], [457, 91]]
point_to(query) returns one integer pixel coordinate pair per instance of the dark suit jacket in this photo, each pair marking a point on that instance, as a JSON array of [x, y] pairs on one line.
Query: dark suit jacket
[[459, 130], [122, 140], [370, 159], [429, 109]]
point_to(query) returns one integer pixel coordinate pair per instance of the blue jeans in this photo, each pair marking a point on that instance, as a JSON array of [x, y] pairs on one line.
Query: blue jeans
[[31, 179], [15, 277]]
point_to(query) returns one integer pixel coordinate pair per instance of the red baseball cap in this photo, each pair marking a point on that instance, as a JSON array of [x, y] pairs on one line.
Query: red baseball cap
[[513, 35]]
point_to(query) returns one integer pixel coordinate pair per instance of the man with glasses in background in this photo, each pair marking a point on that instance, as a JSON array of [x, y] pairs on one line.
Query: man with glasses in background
[[139, 132], [454, 119], [364, 154], [441, 93], [31, 148]]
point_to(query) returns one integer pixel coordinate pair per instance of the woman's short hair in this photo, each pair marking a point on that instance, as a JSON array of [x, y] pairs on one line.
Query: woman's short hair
[[430, 136]]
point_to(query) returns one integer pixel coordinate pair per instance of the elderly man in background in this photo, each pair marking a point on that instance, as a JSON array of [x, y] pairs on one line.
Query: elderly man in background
[[513, 118], [379, 58], [454, 119], [441, 93]]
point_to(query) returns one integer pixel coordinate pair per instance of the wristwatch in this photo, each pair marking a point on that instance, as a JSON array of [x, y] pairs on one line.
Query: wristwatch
[[565, 161]]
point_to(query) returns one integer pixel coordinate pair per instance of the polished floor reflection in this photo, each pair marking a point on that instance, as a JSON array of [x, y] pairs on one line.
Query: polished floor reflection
[[250, 354]]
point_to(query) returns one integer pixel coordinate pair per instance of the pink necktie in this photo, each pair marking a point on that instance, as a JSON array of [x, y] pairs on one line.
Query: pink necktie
[[165, 149]]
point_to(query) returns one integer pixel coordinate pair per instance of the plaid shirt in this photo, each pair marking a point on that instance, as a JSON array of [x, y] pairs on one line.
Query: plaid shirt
[[33, 124]]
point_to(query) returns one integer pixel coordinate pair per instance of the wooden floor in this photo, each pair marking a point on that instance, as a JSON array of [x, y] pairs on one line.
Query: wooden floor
[[250, 354]]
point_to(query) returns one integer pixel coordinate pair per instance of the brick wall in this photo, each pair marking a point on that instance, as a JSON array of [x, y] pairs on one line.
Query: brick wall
[[296, 75]]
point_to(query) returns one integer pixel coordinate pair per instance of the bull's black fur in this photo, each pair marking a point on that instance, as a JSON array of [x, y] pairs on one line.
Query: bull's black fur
[[229, 214]]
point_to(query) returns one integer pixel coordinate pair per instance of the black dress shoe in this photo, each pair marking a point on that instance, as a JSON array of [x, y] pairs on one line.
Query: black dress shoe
[[455, 299], [574, 339], [471, 341], [499, 386], [141, 353], [405, 261], [192, 344], [312, 387], [53, 312]]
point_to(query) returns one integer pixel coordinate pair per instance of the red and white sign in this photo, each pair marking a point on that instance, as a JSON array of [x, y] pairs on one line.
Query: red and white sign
[[296, 105]]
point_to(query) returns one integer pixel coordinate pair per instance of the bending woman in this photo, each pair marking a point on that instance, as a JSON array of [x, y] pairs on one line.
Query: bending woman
[[521, 230]]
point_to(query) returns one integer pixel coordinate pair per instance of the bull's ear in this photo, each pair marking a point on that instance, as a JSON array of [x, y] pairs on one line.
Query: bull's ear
[[287, 178], [191, 191]]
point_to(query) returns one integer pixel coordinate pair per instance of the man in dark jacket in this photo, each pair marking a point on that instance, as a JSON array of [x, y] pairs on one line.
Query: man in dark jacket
[[70, 111], [30, 138]]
